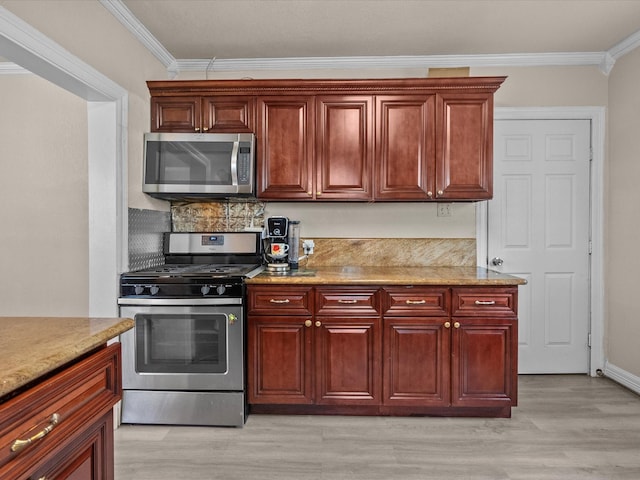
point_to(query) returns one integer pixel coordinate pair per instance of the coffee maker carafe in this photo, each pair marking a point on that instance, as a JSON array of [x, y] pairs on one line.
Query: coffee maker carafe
[[276, 244]]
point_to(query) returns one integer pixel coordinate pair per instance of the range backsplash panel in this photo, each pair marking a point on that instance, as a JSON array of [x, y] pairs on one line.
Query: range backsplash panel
[[146, 228]]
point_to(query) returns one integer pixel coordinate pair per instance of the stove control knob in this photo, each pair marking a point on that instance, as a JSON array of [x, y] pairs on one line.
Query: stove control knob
[[154, 290], [220, 289], [139, 289], [205, 289]]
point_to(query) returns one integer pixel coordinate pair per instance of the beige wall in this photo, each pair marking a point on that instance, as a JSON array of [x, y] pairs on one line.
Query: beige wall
[[43, 191], [622, 225]]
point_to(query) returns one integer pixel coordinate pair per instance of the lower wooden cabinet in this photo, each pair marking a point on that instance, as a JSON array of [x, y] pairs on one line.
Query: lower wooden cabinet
[[62, 428], [394, 350], [330, 359]]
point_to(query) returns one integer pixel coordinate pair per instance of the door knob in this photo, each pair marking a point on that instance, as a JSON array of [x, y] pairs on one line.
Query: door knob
[[497, 261]]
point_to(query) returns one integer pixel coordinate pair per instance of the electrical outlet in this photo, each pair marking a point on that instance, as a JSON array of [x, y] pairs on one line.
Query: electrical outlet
[[307, 246], [444, 209]]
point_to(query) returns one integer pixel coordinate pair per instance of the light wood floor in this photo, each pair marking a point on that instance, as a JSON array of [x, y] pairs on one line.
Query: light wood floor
[[568, 427]]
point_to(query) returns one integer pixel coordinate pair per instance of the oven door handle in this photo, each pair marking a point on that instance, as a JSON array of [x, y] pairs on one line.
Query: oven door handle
[[186, 302]]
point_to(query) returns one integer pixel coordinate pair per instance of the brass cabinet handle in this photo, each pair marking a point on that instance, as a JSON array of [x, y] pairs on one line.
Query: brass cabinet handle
[[18, 445], [205, 129], [429, 194], [318, 193], [447, 324], [318, 323], [275, 300], [307, 323], [309, 193], [487, 302], [440, 192], [415, 302], [197, 129], [456, 325], [347, 301]]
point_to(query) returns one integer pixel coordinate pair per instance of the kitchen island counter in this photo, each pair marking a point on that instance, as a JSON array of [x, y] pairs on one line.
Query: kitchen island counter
[[32, 347], [384, 275]]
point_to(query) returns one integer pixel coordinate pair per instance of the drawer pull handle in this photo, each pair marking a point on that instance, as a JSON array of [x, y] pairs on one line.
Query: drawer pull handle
[[488, 302], [307, 323], [275, 300], [416, 302], [20, 444], [456, 324], [447, 324], [347, 301]]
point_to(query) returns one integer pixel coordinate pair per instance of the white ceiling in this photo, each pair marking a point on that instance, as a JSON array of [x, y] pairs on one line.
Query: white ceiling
[[250, 29]]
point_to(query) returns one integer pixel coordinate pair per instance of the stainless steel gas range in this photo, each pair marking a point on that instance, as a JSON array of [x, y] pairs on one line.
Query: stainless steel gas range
[[183, 362]]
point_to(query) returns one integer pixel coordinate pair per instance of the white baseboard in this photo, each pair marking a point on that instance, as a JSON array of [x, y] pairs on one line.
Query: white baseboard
[[623, 377]]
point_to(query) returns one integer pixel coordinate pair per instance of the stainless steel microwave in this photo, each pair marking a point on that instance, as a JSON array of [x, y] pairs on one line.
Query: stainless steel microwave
[[199, 165]]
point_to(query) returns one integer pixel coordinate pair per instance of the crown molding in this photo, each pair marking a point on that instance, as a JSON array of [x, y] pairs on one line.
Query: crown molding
[[426, 61], [10, 68], [603, 60]]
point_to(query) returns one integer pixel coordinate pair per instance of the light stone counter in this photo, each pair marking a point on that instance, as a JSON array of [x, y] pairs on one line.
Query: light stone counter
[[31, 347], [349, 275]]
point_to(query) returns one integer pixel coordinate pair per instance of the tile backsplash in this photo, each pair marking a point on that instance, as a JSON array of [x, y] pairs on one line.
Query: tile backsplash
[[233, 215]]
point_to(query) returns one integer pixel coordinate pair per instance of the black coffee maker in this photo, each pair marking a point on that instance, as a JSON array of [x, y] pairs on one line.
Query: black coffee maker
[[276, 246]]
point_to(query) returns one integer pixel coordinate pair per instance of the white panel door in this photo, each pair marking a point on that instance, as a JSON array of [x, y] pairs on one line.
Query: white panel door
[[538, 227]]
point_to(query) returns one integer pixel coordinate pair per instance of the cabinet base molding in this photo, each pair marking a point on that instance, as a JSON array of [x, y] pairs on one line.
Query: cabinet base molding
[[353, 410]]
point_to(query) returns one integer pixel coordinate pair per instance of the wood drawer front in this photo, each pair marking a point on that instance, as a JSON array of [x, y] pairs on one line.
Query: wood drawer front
[[416, 301], [483, 302], [280, 300], [347, 301], [76, 395]]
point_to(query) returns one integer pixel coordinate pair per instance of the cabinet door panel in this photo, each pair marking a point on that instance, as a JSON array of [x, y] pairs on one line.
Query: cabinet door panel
[[484, 362], [405, 147], [344, 147], [417, 361], [285, 147], [279, 360], [464, 160], [347, 360], [228, 114], [175, 114]]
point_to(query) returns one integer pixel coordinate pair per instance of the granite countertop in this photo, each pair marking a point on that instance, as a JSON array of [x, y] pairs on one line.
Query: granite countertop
[[389, 276], [31, 347]]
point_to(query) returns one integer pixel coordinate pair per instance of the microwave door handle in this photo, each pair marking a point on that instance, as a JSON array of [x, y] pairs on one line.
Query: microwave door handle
[[234, 163]]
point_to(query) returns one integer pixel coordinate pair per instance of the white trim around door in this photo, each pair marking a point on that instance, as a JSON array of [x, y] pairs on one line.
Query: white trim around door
[[597, 117]]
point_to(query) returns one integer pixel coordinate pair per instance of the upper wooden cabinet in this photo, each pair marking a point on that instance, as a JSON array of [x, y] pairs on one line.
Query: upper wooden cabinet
[[202, 114], [417, 139]]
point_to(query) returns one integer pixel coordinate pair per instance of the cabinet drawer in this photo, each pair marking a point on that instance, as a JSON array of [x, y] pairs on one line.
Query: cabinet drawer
[[53, 411], [280, 300], [347, 301], [416, 301], [482, 302]]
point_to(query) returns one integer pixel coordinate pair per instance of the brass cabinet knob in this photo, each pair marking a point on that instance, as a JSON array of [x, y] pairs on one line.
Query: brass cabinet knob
[[307, 323], [197, 129], [440, 192], [309, 193], [456, 325], [429, 194], [447, 324], [318, 323], [205, 129]]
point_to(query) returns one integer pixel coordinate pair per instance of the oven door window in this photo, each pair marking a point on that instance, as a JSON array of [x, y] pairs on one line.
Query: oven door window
[[191, 343]]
